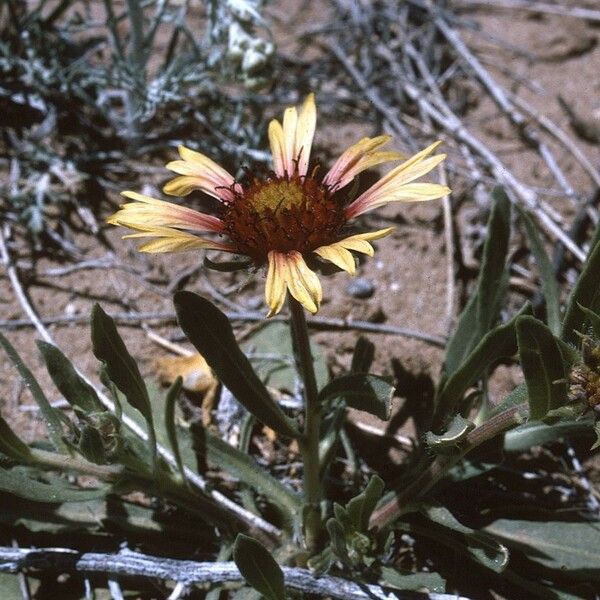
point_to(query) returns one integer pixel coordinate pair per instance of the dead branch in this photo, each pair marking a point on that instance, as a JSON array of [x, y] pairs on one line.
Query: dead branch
[[187, 572]]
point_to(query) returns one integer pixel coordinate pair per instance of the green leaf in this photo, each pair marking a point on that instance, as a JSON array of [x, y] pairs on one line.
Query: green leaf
[[593, 318], [361, 507], [363, 355], [121, 369], [570, 548], [50, 415], [24, 487], [258, 567], [90, 445], [337, 538], [412, 582], [11, 444], [363, 391], [499, 343], [543, 368], [483, 309], [450, 440], [597, 432], [247, 470], [209, 330], [536, 434], [481, 546], [276, 337], [548, 279], [169, 422], [585, 293], [68, 382]]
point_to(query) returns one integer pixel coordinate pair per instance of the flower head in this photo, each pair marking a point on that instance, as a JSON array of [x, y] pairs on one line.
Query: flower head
[[285, 217]]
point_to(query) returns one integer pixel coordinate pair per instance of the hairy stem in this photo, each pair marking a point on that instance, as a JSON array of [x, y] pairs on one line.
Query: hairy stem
[[309, 443], [391, 510]]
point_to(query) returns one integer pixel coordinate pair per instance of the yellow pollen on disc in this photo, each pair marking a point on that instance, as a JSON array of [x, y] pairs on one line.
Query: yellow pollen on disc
[[278, 195]]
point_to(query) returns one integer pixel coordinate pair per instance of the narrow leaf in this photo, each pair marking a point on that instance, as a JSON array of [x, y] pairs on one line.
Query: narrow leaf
[[483, 308], [548, 279], [258, 567], [499, 343], [50, 415], [569, 548], [585, 293], [209, 330], [363, 355], [75, 390], [593, 318], [537, 433], [362, 391], [121, 368], [24, 487], [412, 582], [361, 507], [481, 546], [11, 445], [543, 368], [170, 402], [238, 464]]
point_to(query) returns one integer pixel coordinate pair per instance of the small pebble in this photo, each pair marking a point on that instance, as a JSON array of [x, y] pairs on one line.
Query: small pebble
[[360, 288]]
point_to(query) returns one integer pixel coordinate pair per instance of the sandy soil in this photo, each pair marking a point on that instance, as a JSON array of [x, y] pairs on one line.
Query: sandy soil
[[409, 268]]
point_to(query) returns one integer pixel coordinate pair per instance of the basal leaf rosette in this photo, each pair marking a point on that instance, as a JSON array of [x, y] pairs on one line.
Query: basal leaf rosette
[[284, 217]]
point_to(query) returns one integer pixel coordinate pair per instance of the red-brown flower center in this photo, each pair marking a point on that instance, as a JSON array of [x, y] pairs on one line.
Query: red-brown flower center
[[282, 213]]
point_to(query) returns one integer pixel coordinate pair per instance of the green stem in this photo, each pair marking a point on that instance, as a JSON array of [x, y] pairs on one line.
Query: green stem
[[388, 512], [309, 443]]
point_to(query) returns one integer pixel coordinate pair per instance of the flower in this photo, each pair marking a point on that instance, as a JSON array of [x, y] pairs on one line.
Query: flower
[[285, 217]]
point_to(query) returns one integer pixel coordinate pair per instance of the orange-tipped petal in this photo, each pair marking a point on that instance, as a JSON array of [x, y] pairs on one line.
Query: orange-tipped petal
[[396, 186]]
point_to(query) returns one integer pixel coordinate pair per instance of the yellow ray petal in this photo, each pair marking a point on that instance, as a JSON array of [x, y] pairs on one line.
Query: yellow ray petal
[[290, 123], [339, 256], [358, 158], [277, 147], [171, 240], [305, 131], [199, 173], [396, 186], [304, 285], [360, 241], [147, 211], [291, 143], [288, 271], [275, 288]]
